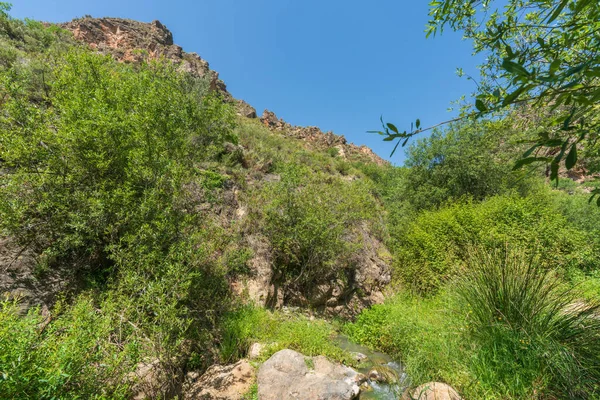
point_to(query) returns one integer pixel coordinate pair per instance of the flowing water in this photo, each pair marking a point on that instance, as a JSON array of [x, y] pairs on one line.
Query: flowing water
[[380, 362]]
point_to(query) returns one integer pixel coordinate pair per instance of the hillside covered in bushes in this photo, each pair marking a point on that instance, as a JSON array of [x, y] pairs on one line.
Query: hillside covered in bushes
[[149, 221]]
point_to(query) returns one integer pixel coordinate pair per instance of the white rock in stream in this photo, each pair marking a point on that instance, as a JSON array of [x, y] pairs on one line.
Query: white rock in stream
[[433, 391], [289, 375]]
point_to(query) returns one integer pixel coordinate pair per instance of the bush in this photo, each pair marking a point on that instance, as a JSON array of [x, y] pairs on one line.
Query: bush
[[471, 160], [82, 353], [97, 176], [314, 223], [434, 246], [533, 338], [113, 151]]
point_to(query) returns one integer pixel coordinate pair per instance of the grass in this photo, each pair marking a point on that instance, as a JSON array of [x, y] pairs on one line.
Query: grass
[[533, 336], [423, 333], [278, 330], [508, 329]]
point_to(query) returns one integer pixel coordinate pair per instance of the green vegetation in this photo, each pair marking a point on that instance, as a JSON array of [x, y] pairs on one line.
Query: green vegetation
[[311, 219], [277, 330], [65, 358], [542, 59], [151, 194], [466, 160], [509, 328], [435, 245], [423, 333], [123, 175], [533, 334]]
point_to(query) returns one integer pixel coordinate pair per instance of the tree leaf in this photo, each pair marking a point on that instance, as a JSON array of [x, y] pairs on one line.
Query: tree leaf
[[541, 42], [557, 11], [529, 160], [571, 157], [554, 171], [480, 105], [514, 68], [528, 152], [392, 127], [554, 66], [513, 96]]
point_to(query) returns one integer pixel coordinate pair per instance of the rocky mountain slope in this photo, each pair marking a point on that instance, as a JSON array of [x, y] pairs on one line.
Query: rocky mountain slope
[[133, 41], [361, 286]]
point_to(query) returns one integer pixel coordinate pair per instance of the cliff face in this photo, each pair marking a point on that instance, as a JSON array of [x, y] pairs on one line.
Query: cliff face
[[133, 41]]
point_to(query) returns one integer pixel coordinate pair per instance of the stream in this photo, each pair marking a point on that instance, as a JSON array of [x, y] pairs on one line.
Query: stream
[[380, 362]]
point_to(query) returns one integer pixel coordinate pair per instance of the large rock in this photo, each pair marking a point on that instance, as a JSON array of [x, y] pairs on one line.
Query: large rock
[[290, 375], [433, 391], [229, 382], [245, 109], [133, 41]]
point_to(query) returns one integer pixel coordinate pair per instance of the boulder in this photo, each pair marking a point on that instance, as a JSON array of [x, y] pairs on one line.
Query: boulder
[[384, 374], [433, 391], [255, 350], [228, 382], [290, 375], [244, 109]]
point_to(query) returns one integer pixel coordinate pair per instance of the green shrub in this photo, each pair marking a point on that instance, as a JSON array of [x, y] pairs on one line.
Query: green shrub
[[533, 337], [434, 246], [472, 159], [314, 223], [98, 177], [82, 353], [114, 142]]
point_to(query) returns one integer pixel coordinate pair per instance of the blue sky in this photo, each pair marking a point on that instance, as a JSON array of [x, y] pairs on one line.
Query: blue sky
[[336, 64]]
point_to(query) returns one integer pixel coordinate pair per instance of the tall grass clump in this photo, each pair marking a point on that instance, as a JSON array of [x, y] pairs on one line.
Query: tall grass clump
[[532, 336]]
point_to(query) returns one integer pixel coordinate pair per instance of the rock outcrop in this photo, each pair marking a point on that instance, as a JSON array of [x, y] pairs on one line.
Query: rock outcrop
[[228, 382], [319, 139], [289, 375], [134, 41], [361, 288]]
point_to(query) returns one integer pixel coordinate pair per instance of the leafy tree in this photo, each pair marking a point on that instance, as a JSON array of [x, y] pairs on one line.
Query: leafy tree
[[466, 160], [541, 55]]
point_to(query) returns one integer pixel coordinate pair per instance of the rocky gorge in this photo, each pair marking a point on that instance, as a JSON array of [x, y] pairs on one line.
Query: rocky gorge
[[287, 374]]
